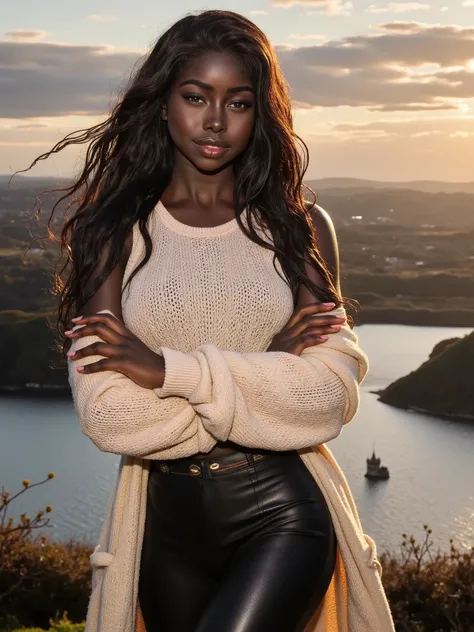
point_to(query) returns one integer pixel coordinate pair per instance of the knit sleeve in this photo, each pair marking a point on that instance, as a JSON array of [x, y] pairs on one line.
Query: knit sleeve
[[271, 400], [121, 417]]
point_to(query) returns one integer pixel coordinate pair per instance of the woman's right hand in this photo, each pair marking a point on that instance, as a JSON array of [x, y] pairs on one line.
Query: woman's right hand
[[307, 327]]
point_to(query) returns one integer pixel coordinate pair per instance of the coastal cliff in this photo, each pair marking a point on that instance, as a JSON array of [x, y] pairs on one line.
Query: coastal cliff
[[442, 386]]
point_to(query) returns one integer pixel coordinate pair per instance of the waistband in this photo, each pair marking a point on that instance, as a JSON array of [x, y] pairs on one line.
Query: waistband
[[212, 466]]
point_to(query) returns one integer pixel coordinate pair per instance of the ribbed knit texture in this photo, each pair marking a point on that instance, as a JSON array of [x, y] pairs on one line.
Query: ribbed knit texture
[[210, 301]]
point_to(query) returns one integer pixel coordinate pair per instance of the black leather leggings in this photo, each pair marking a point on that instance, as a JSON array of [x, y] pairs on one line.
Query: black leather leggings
[[245, 544]]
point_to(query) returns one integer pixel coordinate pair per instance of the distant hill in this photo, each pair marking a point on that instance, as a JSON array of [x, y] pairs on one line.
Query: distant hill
[[353, 184], [356, 184], [26, 182], [441, 386]]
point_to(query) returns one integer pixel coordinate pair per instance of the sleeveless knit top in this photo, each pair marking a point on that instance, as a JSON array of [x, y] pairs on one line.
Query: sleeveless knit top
[[204, 285]]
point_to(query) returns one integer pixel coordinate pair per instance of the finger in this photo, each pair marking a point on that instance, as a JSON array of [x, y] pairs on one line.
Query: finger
[[307, 340], [321, 331], [108, 364], [106, 319], [311, 340], [96, 329], [322, 320], [97, 348], [311, 308], [304, 327]]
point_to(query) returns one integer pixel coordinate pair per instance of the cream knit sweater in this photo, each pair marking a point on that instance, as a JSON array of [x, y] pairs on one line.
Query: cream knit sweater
[[210, 301]]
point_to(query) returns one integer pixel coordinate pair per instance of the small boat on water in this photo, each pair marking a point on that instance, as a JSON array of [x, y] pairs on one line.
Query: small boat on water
[[374, 469]]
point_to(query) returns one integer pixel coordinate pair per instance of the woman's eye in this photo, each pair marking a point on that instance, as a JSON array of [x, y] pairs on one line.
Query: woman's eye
[[190, 97], [244, 104], [236, 105]]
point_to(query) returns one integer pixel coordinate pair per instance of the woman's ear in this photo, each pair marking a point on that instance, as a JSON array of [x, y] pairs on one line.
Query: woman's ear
[[164, 112]]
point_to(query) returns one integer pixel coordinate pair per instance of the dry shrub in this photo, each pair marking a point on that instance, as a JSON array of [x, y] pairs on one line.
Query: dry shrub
[[430, 592], [39, 578]]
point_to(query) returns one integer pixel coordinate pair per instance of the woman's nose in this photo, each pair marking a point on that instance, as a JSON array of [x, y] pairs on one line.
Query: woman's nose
[[215, 120]]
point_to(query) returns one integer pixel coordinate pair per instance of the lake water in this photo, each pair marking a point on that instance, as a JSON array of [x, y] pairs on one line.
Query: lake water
[[430, 460]]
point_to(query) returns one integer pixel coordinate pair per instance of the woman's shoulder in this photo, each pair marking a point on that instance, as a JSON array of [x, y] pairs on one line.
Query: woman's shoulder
[[326, 239], [318, 214]]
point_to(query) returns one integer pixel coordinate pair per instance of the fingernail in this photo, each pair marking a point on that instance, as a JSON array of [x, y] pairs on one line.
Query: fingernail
[[324, 337], [80, 369], [70, 354], [76, 318], [329, 303], [66, 333]]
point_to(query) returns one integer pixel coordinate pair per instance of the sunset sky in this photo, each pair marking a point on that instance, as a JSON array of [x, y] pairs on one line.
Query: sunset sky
[[381, 90]]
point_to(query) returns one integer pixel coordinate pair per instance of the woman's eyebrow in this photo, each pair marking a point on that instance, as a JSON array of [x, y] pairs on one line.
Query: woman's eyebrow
[[207, 86]]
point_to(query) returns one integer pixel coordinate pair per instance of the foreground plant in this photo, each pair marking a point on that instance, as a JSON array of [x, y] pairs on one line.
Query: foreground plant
[[430, 592], [12, 532]]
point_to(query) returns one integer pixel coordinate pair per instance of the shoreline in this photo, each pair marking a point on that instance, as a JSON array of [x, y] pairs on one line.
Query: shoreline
[[49, 390], [423, 411], [374, 316], [420, 317]]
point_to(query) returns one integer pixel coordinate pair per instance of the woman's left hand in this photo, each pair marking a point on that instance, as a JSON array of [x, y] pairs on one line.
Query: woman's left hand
[[122, 351]]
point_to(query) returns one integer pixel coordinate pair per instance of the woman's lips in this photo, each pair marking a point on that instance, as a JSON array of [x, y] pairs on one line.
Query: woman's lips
[[211, 151]]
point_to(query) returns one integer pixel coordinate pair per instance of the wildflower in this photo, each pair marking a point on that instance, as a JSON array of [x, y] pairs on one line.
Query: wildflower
[[26, 483], [49, 509], [51, 474]]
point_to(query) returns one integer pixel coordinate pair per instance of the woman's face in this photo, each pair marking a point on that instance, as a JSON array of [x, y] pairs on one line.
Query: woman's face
[[211, 111]]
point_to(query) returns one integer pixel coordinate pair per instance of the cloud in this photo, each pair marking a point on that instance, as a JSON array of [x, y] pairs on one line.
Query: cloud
[[433, 149], [409, 128], [468, 3], [327, 7], [18, 35], [94, 17], [400, 138], [258, 12], [397, 7], [420, 66], [51, 79], [407, 66], [31, 126], [401, 27], [413, 107], [307, 36]]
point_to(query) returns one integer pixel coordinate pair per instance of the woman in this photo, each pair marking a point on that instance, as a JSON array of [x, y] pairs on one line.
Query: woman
[[212, 350]]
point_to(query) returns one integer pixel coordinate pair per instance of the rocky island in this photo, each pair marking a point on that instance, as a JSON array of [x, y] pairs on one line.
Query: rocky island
[[442, 386]]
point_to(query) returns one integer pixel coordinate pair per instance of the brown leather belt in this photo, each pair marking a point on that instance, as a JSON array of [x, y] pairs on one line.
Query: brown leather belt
[[209, 466]]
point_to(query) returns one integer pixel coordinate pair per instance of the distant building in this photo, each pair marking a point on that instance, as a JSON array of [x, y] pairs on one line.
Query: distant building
[[374, 469]]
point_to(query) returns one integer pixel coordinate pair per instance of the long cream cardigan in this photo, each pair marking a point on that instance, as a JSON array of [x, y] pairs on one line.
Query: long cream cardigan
[[203, 399]]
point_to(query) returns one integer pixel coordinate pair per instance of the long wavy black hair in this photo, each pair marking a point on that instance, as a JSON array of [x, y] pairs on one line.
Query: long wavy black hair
[[130, 157]]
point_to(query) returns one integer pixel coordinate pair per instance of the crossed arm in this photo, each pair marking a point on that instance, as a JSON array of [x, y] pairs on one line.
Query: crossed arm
[[272, 400]]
